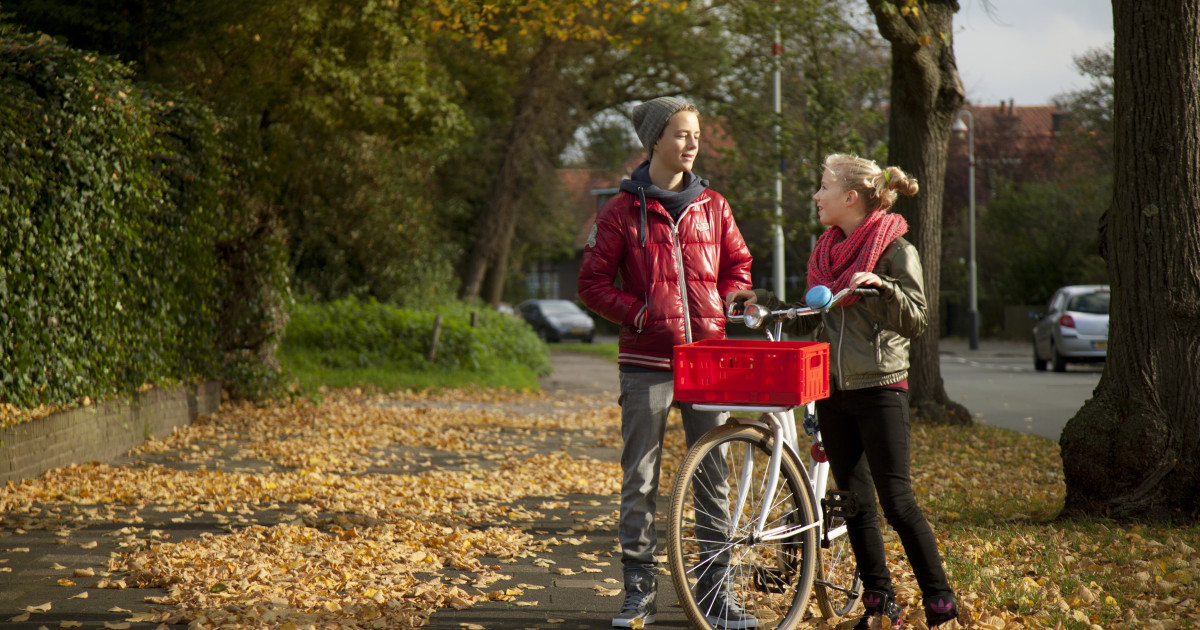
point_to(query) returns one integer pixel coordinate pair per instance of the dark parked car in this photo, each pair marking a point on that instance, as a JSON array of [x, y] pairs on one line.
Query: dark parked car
[[1074, 327], [556, 320]]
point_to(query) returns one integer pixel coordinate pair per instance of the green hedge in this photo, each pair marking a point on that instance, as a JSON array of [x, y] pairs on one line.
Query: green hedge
[[351, 334], [110, 215]]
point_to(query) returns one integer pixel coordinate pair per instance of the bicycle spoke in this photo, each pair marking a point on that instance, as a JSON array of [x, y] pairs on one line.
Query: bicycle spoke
[[724, 563]]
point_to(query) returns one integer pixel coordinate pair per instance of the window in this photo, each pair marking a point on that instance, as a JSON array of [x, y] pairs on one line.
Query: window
[[1094, 303]]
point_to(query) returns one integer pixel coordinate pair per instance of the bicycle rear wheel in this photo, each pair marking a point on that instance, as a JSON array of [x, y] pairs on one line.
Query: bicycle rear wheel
[[838, 586], [770, 574]]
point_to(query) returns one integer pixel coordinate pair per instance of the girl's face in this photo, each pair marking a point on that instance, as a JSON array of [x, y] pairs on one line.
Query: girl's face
[[677, 147], [835, 206]]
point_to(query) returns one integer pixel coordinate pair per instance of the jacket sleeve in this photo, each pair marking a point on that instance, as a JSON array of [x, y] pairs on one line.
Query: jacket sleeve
[[599, 269], [903, 294], [734, 272]]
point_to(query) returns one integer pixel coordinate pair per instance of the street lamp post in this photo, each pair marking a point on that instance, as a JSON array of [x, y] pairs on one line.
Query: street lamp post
[[973, 309]]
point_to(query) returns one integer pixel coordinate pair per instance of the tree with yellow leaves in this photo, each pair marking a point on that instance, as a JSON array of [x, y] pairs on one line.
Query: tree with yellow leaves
[[552, 65]]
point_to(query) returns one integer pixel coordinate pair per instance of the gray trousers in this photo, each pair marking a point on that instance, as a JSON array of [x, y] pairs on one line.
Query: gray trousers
[[645, 401]]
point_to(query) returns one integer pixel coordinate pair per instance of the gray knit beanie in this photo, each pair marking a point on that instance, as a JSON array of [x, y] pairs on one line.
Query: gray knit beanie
[[650, 118]]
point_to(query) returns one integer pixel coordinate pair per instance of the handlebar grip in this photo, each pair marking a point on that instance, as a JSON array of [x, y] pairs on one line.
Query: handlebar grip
[[868, 291]]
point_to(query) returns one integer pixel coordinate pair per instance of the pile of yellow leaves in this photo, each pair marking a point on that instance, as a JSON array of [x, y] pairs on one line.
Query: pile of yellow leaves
[[359, 540]]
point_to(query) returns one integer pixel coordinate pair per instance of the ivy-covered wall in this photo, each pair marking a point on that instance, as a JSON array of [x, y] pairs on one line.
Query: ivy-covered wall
[[116, 244]]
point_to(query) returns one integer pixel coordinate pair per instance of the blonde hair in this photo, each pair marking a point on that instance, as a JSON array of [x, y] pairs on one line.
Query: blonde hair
[[878, 187]]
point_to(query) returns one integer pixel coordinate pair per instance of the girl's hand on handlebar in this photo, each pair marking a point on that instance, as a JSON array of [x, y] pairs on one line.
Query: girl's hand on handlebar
[[865, 279]]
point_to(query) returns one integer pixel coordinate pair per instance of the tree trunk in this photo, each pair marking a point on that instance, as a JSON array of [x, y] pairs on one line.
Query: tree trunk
[[545, 114], [493, 287], [926, 93], [1133, 450], [517, 175]]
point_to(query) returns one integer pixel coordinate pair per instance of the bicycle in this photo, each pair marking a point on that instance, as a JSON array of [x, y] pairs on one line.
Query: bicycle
[[765, 548]]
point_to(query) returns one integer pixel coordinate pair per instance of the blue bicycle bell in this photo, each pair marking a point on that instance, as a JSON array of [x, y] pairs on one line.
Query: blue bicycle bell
[[818, 297]]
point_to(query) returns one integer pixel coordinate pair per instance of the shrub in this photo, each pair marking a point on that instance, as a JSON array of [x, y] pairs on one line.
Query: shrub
[[349, 334], [79, 197]]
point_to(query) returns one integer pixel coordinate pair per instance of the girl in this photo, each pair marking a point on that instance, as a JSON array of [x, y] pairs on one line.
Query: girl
[[865, 420]]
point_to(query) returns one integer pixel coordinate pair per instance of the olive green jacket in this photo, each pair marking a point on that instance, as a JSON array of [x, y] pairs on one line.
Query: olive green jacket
[[869, 339]]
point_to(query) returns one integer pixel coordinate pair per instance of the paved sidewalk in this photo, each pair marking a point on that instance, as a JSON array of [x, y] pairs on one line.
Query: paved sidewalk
[[54, 560]]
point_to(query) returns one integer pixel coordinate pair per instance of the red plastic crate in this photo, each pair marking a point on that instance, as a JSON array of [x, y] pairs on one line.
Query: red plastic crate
[[751, 372]]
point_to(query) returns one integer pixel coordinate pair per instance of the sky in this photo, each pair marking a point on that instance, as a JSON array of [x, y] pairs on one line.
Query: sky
[[1025, 49]]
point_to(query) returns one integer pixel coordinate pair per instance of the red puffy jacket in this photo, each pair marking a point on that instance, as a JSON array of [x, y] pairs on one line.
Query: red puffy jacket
[[671, 289]]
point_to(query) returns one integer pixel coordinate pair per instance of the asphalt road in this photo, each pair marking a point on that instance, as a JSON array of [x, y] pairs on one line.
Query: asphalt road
[[998, 384]]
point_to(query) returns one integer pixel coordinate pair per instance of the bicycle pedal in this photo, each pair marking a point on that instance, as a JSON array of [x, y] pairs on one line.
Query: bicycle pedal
[[770, 580], [841, 503]]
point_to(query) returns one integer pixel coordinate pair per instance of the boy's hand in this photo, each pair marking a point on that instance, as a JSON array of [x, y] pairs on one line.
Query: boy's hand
[[745, 297]]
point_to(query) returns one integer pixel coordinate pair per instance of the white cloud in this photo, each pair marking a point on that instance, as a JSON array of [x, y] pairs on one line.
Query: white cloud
[[1026, 50]]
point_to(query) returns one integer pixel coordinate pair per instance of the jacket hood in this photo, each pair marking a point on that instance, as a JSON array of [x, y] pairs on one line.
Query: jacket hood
[[693, 185]]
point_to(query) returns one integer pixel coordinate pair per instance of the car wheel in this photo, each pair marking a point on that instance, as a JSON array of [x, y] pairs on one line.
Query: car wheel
[[591, 339], [1039, 363], [1060, 362]]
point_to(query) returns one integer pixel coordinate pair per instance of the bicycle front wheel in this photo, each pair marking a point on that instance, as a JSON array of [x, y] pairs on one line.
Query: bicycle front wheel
[[728, 572], [838, 586]]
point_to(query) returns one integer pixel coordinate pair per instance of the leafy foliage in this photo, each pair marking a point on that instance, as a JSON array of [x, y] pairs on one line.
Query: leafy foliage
[[1040, 228], [108, 215], [1042, 236], [833, 71], [344, 118]]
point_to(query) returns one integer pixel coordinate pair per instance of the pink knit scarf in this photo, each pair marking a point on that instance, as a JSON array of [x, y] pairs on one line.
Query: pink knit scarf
[[836, 258]]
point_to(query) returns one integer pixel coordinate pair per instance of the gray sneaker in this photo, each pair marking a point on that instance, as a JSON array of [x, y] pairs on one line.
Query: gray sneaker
[[641, 588], [719, 605]]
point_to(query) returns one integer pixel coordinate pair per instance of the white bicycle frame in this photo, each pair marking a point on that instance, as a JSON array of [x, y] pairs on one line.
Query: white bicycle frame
[[781, 421]]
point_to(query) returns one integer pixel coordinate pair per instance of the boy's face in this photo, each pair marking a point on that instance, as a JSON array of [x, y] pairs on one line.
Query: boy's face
[[679, 143]]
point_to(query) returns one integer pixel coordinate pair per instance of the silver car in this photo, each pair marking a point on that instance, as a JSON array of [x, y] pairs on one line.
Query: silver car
[[556, 320], [1074, 327]]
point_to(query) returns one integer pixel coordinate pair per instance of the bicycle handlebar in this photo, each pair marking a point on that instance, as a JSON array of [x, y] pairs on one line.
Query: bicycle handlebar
[[755, 315]]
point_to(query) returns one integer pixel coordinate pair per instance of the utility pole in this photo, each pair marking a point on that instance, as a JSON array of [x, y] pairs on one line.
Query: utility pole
[[780, 280], [973, 289]]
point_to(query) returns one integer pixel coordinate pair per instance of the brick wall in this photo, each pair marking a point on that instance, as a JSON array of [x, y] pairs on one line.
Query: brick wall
[[103, 431]]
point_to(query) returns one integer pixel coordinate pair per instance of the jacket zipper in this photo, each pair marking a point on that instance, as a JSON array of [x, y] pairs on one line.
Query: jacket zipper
[[687, 318], [841, 333], [878, 346]]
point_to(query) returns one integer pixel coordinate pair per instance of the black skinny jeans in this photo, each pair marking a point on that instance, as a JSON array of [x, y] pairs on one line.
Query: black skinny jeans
[[866, 437]]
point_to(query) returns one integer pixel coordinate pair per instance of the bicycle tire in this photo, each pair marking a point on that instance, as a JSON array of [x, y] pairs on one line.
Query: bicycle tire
[[771, 579], [838, 586]]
